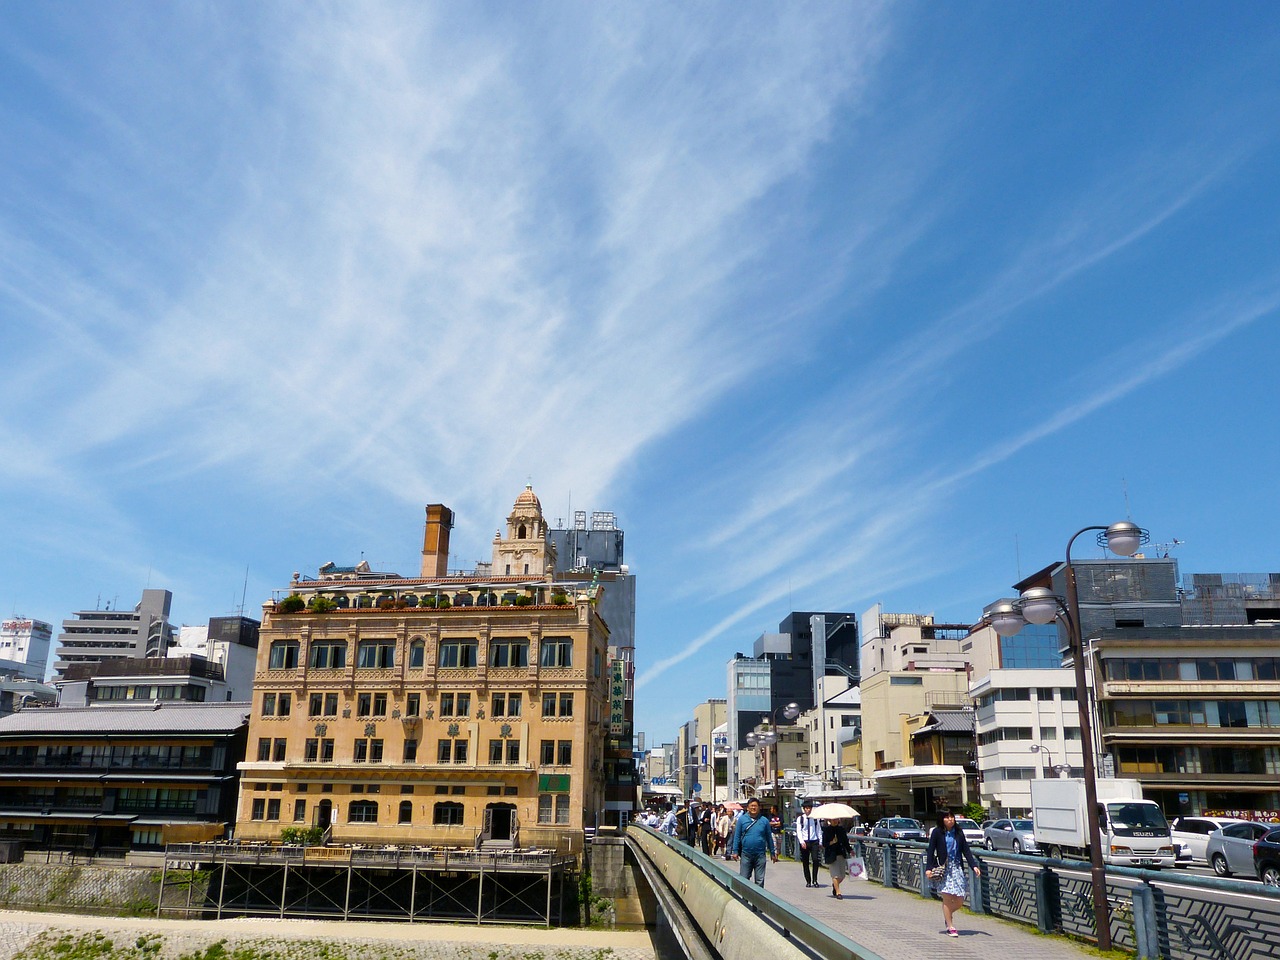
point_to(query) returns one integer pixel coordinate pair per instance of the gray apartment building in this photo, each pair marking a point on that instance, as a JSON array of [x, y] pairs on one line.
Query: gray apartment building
[[90, 636]]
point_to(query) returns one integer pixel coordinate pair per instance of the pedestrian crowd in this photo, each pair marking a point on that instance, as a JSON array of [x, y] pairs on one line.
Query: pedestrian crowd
[[752, 837]]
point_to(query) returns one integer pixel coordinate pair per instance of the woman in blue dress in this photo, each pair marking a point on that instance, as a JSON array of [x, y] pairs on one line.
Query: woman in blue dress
[[947, 864]]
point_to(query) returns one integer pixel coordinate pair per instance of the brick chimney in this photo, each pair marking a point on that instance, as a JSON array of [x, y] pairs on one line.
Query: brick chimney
[[435, 541]]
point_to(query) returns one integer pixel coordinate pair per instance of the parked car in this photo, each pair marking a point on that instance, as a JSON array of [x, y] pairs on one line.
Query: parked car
[[1191, 836], [972, 832], [1230, 850], [1016, 835], [1266, 858], [899, 828]]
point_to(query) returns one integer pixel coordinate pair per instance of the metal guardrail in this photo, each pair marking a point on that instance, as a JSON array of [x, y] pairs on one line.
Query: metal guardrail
[[447, 858], [813, 936], [1159, 915]]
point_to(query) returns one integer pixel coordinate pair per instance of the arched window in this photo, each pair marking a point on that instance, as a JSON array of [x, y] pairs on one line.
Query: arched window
[[520, 532], [447, 813], [362, 811], [417, 654], [406, 811]]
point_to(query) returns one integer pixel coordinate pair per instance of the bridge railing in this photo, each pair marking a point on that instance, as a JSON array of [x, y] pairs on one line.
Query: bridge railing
[[678, 862], [1169, 915]]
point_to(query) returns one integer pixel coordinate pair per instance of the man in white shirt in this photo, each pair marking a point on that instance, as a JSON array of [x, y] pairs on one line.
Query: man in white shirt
[[809, 836]]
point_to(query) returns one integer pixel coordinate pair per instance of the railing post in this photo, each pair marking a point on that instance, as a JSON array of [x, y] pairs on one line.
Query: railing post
[[886, 853], [926, 888], [1046, 900], [979, 898], [1145, 934]]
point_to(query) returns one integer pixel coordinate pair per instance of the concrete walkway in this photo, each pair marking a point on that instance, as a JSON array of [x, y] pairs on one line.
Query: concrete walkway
[[899, 925]]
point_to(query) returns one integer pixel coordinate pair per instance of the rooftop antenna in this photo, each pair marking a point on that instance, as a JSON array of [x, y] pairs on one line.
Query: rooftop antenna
[[244, 590], [1128, 514]]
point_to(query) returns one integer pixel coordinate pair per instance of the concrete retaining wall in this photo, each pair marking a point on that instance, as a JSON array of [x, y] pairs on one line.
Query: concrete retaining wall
[[93, 888]]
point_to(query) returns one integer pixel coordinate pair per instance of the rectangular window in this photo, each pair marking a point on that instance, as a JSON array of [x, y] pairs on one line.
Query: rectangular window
[[565, 753], [375, 750], [513, 751], [410, 751], [906, 681], [460, 751], [562, 808], [278, 750], [273, 809], [360, 751], [299, 811], [311, 750], [330, 704], [412, 704], [364, 704], [566, 704], [326, 750], [548, 704], [509, 653], [264, 749], [557, 652], [315, 704], [446, 704], [259, 809], [283, 655], [545, 808], [328, 656], [548, 752], [458, 654], [444, 751], [268, 704], [376, 654], [284, 704], [379, 704], [506, 705]]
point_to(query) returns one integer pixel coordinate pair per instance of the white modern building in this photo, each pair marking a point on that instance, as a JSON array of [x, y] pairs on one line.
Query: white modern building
[[24, 648], [1027, 727], [830, 726]]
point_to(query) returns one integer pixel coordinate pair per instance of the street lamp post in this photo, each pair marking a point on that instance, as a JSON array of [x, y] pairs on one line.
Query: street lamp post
[[769, 735], [1061, 769], [1040, 605]]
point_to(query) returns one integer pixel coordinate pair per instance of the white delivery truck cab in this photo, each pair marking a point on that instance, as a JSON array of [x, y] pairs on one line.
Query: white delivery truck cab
[[1134, 831]]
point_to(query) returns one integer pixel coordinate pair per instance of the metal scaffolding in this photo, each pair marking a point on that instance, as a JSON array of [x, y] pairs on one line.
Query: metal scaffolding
[[360, 883]]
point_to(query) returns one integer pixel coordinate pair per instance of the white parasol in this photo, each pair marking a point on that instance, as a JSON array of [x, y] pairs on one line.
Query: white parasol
[[834, 811]]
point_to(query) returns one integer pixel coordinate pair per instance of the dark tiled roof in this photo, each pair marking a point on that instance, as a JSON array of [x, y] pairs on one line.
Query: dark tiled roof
[[168, 718]]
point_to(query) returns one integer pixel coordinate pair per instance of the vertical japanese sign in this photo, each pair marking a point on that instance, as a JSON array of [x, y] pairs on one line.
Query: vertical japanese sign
[[618, 698]]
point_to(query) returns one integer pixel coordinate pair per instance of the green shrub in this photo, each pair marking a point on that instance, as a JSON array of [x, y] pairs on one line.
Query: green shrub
[[291, 604], [319, 604], [307, 836]]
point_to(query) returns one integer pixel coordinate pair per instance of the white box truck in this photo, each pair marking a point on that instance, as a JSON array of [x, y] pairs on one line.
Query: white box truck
[[1134, 831]]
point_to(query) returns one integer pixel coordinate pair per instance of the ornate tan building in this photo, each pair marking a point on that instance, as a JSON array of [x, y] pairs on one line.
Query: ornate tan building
[[449, 710]]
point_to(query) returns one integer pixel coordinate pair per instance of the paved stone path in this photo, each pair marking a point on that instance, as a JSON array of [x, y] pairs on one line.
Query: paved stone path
[[899, 925]]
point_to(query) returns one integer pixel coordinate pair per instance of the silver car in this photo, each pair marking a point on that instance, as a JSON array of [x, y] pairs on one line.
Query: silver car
[[1230, 850], [1018, 836], [1191, 836]]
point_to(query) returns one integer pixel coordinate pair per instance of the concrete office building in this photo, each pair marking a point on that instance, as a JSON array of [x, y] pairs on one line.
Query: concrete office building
[[595, 553], [787, 667], [24, 648], [91, 636]]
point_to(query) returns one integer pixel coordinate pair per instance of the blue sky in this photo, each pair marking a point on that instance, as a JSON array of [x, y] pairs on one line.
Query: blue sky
[[830, 303]]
